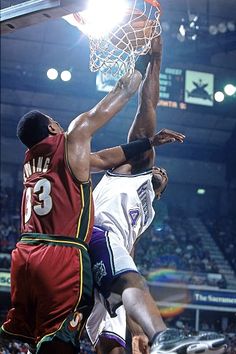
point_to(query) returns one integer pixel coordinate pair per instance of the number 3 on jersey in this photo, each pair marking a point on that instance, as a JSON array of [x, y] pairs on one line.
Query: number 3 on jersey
[[44, 203]]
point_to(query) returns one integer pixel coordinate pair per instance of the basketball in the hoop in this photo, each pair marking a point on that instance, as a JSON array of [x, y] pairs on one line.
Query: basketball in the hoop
[[134, 32]]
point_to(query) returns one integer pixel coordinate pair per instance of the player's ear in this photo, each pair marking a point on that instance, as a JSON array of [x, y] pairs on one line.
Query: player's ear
[[52, 129]]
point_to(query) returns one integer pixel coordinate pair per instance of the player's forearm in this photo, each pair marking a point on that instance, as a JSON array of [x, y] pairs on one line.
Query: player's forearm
[[114, 157], [145, 121], [149, 92], [89, 122], [106, 159], [114, 101]]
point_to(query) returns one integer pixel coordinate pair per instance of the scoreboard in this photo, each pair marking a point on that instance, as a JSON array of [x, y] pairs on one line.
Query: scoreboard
[[172, 88], [179, 88]]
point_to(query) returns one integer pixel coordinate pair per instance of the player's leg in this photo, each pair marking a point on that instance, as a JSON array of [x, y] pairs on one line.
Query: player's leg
[[111, 262], [20, 322], [64, 296], [138, 302], [117, 278], [144, 124], [141, 307]]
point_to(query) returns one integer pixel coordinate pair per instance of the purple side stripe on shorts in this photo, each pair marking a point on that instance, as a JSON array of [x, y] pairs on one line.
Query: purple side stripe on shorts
[[101, 260], [112, 335]]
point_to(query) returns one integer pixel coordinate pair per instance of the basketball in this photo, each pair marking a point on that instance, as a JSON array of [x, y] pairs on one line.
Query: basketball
[[134, 33]]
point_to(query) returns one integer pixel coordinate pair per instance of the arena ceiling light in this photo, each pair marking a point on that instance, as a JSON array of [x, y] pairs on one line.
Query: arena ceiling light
[[66, 75], [229, 89], [201, 191], [52, 74], [222, 28], [182, 30], [188, 28], [101, 16], [213, 30], [231, 26], [219, 96]]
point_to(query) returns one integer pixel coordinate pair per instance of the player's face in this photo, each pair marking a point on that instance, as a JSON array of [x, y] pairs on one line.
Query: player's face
[[159, 180]]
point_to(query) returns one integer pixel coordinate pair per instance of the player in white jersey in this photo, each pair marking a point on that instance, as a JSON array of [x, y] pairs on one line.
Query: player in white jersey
[[131, 197], [123, 211]]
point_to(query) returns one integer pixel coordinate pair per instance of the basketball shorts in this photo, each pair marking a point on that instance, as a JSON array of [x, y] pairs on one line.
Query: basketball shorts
[[109, 259], [101, 324], [51, 289]]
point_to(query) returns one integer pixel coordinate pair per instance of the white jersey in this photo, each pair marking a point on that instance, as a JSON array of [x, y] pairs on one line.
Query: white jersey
[[123, 205]]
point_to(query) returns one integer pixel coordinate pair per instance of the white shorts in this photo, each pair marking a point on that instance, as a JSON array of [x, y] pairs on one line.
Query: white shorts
[[109, 259], [100, 323]]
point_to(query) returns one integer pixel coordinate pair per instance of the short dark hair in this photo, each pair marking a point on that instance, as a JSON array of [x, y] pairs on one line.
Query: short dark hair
[[32, 128]]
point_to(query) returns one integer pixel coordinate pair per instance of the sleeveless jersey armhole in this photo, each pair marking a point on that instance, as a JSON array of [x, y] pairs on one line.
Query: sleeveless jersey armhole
[[67, 164]]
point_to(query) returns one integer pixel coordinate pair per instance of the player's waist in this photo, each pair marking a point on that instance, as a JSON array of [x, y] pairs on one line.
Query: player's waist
[[37, 238]]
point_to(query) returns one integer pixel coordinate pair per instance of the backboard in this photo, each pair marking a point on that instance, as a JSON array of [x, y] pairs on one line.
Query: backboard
[[15, 14]]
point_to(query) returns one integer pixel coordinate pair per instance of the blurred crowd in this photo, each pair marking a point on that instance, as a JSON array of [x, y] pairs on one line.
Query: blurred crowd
[[172, 245], [224, 232], [175, 245]]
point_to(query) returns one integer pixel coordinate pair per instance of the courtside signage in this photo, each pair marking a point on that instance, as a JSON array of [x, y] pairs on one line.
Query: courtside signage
[[5, 279], [214, 298]]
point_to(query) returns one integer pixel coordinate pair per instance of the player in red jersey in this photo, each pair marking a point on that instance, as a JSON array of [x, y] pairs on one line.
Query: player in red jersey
[[51, 286]]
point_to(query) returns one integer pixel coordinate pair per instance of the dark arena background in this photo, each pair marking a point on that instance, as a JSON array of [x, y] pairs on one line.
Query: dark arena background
[[188, 255]]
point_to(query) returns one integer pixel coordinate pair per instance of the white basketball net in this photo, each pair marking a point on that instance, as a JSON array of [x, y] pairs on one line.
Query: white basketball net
[[116, 52]]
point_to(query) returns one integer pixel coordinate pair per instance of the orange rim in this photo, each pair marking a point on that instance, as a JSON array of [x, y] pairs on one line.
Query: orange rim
[[154, 3]]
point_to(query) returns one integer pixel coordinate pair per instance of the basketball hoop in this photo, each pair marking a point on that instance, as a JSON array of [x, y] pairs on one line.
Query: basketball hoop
[[116, 51]]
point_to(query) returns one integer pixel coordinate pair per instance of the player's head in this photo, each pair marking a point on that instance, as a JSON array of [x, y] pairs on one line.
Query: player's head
[[35, 126], [159, 180]]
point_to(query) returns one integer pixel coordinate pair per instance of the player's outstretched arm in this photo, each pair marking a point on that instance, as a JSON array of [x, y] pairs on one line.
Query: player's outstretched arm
[[144, 124], [110, 158], [83, 127], [113, 157]]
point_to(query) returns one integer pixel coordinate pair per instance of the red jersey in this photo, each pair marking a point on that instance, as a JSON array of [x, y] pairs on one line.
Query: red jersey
[[54, 202]]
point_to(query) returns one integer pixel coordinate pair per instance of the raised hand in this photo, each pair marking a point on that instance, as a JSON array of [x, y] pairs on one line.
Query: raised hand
[[166, 136]]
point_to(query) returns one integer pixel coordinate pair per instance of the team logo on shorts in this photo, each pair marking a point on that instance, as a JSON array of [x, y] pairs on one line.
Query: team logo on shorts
[[99, 271], [74, 323]]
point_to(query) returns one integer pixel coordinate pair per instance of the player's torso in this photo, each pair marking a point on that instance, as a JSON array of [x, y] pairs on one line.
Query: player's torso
[[123, 204], [53, 201]]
